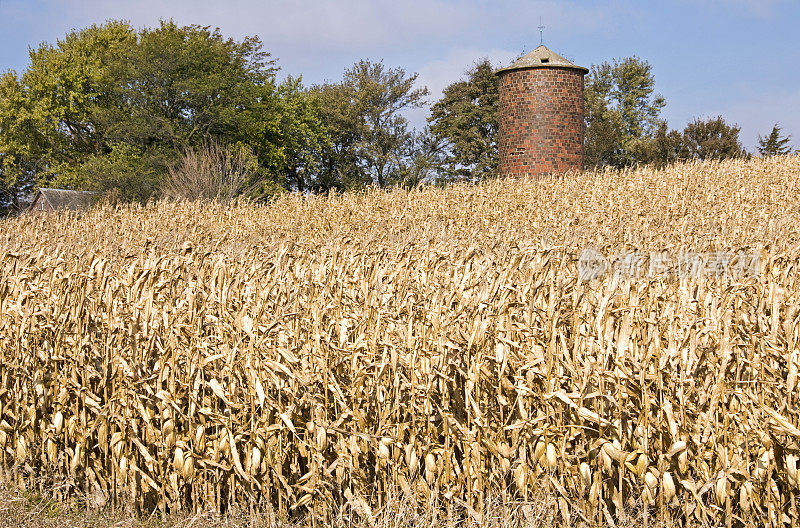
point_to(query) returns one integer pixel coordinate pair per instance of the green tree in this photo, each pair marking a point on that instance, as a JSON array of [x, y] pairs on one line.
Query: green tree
[[108, 99], [774, 144], [187, 84], [67, 88], [369, 136], [465, 122], [339, 164], [423, 160], [123, 170], [665, 147], [300, 134], [711, 139], [181, 87], [21, 149], [380, 95], [603, 136], [46, 112], [621, 112], [339, 161]]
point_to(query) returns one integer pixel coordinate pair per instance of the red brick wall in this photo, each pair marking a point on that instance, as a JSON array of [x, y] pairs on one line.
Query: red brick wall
[[541, 121]]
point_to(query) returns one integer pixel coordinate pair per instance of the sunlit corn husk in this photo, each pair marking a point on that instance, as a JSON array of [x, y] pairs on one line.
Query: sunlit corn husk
[[123, 467], [52, 451], [72, 424], [677, 448], [521, 477], [791, 468], [321, 439], [594, 491], [58, 422], [21, 453], [255, 459], [586, 475], [641, 465], [791, 378], [177, 459], [200, 436], [430, 468], [745, 494], [763, 464], [383, 451], [188, 467], [721, 489], [412, 460], [550, 457], [683, 462], [102, 433], [669, 486], [651, 481], [648, 496], [77, 458], [539, 450]]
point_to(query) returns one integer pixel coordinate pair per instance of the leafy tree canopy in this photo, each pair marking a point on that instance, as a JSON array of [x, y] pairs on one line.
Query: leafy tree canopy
[[369, 136], [465, 122], [112, 97], [621, 111], [701, 139], [711, 139]]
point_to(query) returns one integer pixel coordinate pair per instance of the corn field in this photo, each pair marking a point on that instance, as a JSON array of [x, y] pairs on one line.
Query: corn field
[[326, 352]]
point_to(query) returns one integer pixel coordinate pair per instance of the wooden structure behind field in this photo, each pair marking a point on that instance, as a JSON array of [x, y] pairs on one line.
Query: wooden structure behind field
[[47, 200]]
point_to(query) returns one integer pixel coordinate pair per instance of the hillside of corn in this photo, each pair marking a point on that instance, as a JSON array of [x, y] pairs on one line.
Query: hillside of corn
[[323, 354]]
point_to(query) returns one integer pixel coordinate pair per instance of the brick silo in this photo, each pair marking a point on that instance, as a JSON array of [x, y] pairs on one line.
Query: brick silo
[[540, 129]]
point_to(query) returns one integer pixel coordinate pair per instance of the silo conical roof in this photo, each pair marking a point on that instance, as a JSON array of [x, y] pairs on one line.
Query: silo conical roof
[[542, 57]]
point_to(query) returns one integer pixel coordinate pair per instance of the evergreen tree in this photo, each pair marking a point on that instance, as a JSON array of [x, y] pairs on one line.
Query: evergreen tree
[[774, 144], [464, 121]]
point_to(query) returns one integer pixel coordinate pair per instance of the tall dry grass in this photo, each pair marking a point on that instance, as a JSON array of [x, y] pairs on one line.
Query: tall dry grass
[[326, 354], [212, 172]]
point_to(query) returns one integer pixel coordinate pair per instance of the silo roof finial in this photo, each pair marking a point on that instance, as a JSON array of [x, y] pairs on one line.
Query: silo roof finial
[[541, 30]]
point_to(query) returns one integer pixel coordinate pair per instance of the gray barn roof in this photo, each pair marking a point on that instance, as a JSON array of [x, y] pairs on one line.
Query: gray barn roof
[[542, 57], [60, 199]]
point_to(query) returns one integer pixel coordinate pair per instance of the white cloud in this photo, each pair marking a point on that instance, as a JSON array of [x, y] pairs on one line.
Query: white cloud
[[321, 25], [312, 33], [319, 38]]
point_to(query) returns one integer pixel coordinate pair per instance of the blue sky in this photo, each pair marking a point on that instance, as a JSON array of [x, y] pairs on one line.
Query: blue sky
[[735, 58]]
